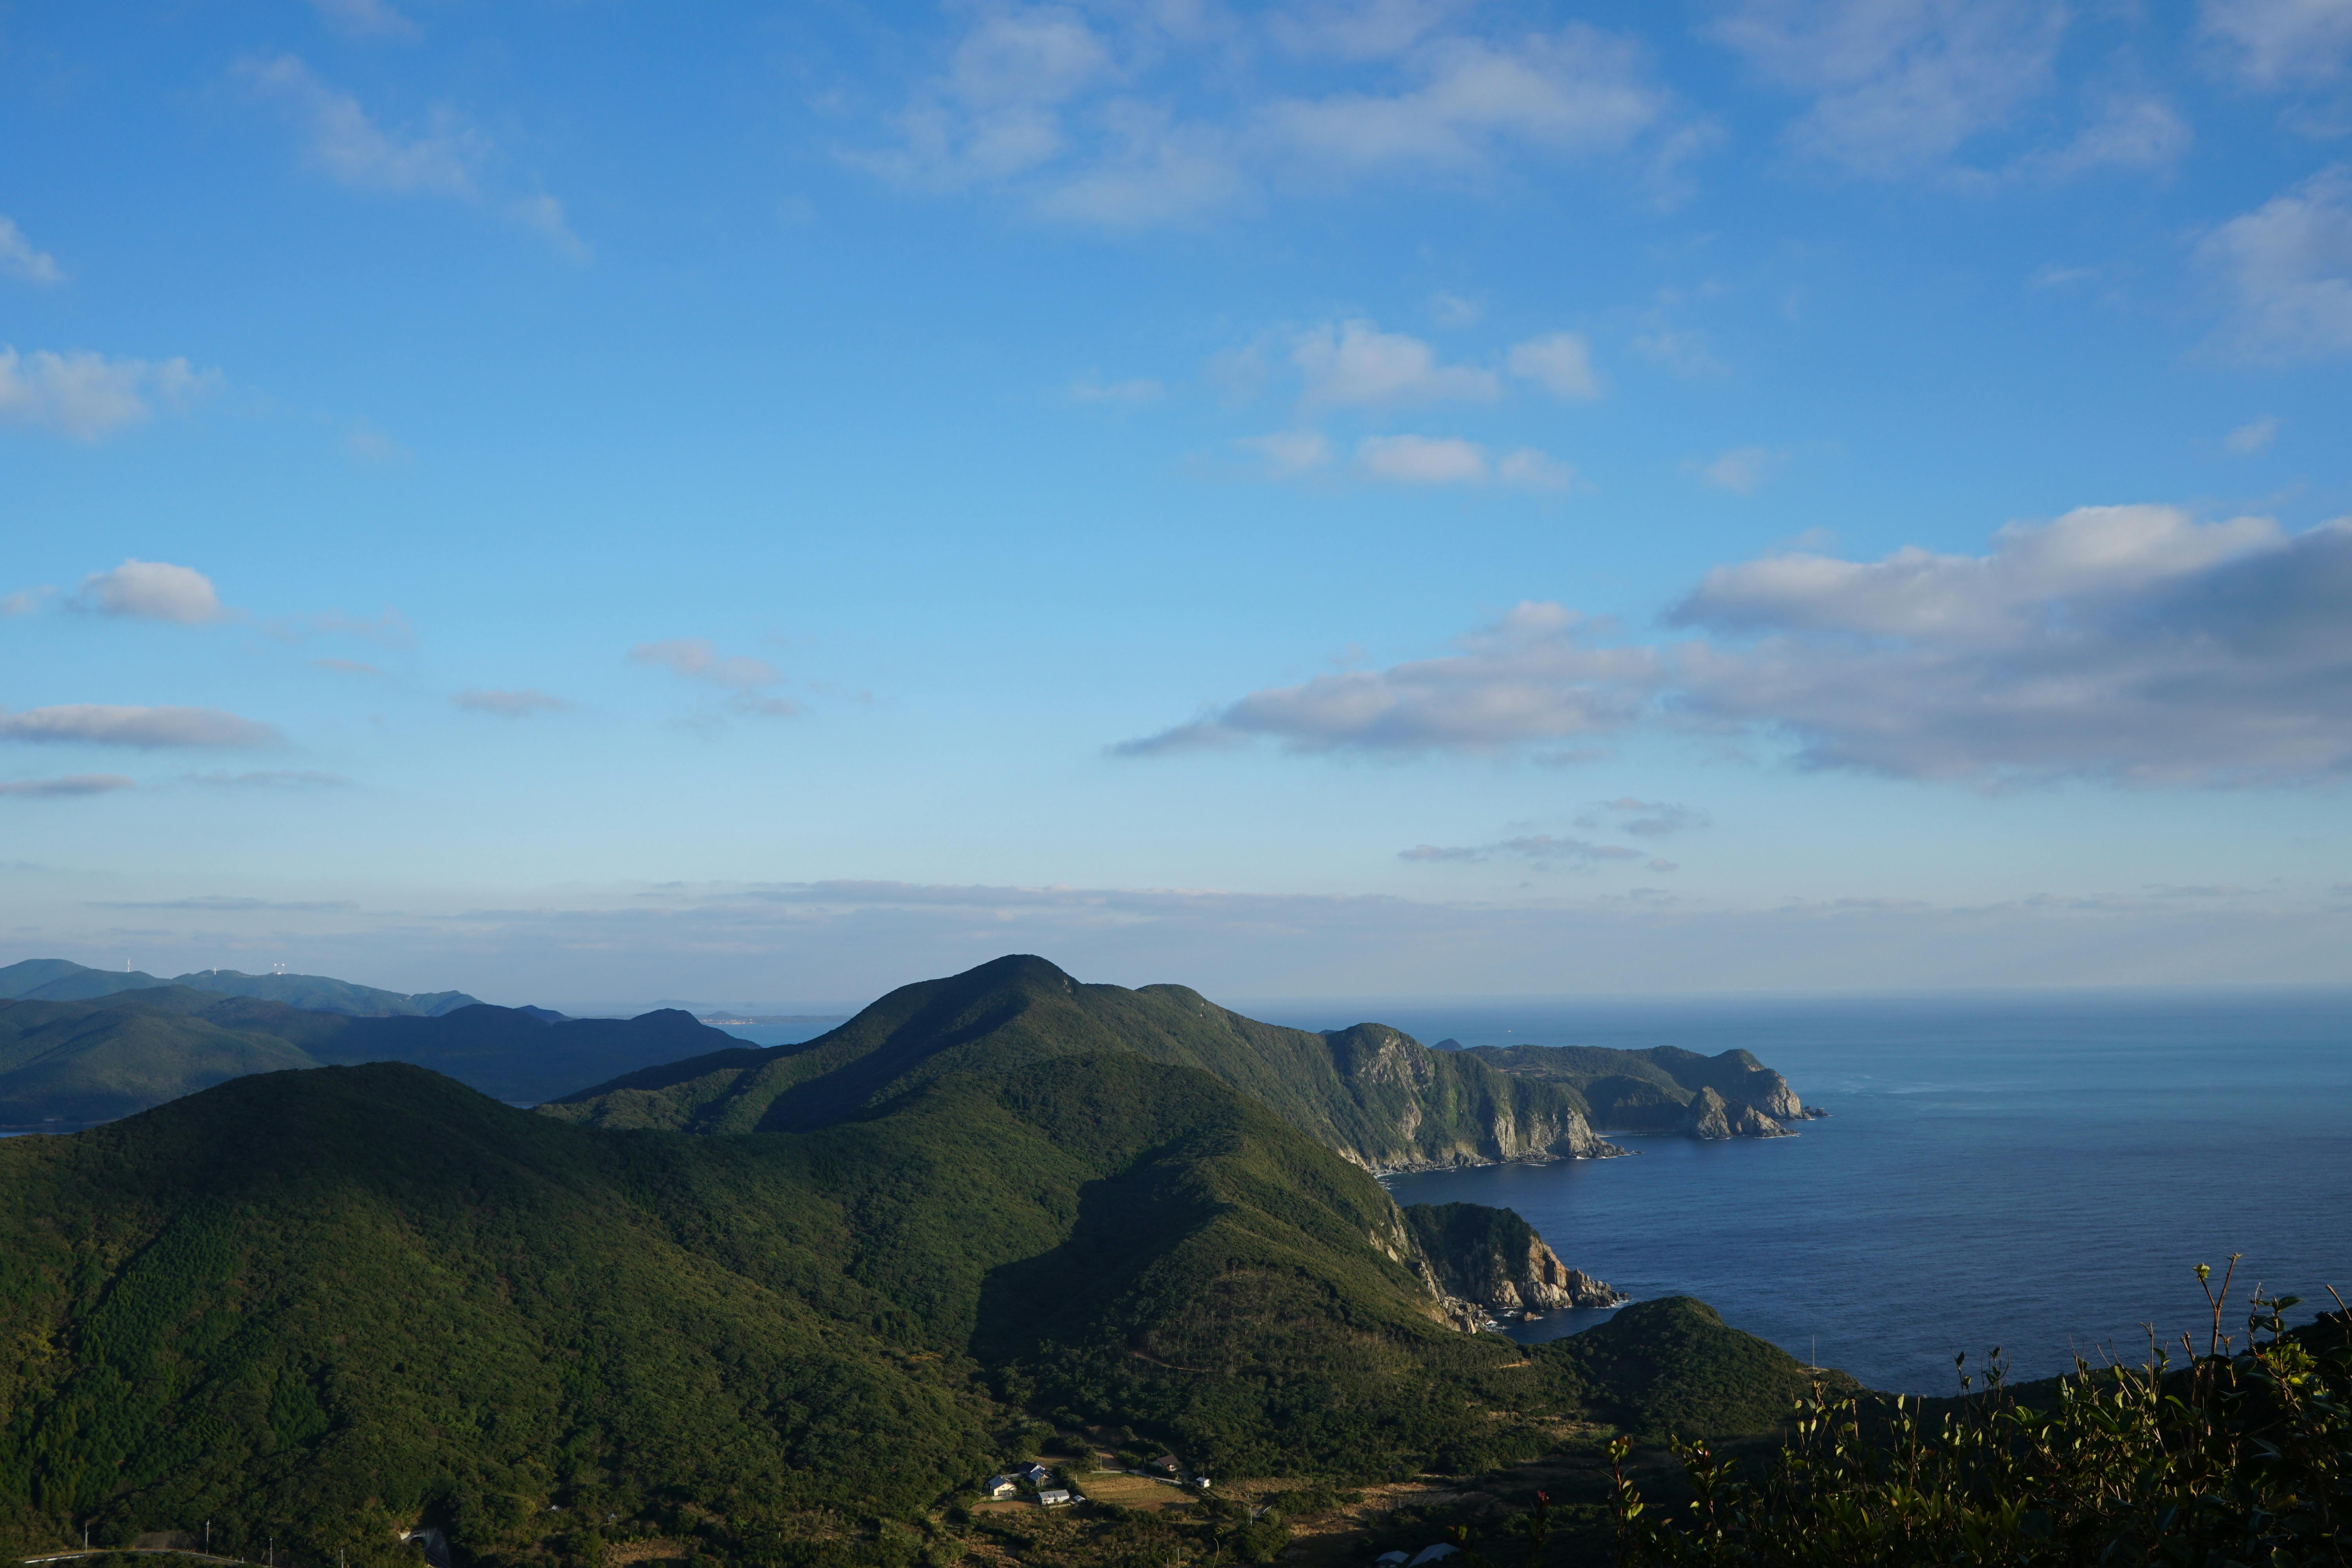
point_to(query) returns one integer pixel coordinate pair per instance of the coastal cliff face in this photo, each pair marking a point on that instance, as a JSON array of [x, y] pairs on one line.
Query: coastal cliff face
[[1483, 1261], [1709, 1115], [1662, 1089], [1420, 1109]]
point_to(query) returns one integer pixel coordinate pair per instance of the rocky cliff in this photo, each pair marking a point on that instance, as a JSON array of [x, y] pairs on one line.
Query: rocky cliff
[[1481, 1261], [1709, 1115], [1661, 1089]]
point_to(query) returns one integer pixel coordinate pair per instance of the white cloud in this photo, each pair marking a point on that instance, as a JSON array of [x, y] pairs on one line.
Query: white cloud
[[25, 601], [2131, 644], [365, 18], [2288, 268], [20, 260], [1742, 470], [2127, 132], [1897, 85], [87, 395], [69, 785], [1423, 460], [2254, 436], [1534, 471], [751, 681], [1576, 90], [1682, 350], [1132, 117], [1560, 363], [1289, 453], [152, 591], [2126, 643], [100, 724], [1355, 363], [2280, 43], [1532, 674], [521, 704], [447, 156]]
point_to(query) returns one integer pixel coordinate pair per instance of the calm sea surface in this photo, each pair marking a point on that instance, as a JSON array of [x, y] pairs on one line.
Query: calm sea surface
[[2038, 1175]]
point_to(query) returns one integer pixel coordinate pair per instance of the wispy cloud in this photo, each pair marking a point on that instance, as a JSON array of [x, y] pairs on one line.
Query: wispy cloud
[[1561, 364], [100, 724], [750, 682], [1897, 85], [88, 395], [1641, 818], [1134, 117], [522, 704], [2254, 436], [1742, 470], [365, 19], [2281, 43], [219, 905], [64, 788], [1541, 851], [272, 778], [21, 260], [25, 601], [446, 155], [1287, 454], [2287, 268]]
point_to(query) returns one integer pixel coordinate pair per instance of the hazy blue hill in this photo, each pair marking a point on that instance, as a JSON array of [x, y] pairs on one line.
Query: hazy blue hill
[[77, 1062], [511, 1053], [57, 980], [1375, 1095]]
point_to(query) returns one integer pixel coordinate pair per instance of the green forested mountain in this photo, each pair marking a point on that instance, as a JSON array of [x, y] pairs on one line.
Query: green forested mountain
[[1373, 1094], [78, 1062], [57, 980], [329, 1304]]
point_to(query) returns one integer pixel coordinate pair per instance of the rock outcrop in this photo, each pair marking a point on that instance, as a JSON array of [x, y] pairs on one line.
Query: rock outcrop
[[1662, 1089], [1481, 1262], [1709, 1115], [1414, 1109]]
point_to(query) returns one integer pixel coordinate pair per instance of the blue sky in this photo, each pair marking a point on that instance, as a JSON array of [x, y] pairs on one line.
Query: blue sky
[[586, 502]]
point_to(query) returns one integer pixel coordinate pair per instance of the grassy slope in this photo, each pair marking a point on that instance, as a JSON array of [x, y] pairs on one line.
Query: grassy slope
[[1368, 1091]]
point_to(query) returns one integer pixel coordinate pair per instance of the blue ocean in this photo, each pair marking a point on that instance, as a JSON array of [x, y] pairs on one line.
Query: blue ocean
[[2036, 1173]]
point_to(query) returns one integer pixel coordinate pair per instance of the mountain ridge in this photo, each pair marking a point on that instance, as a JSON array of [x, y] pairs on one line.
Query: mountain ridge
[[62, 979], [1372, 1093]]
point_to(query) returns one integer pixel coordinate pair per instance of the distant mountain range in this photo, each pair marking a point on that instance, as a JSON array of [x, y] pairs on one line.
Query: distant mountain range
[[74, 1063], [57, 980]]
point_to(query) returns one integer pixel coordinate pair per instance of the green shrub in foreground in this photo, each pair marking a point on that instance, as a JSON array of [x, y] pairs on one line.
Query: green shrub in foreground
[[2236, 1457]]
